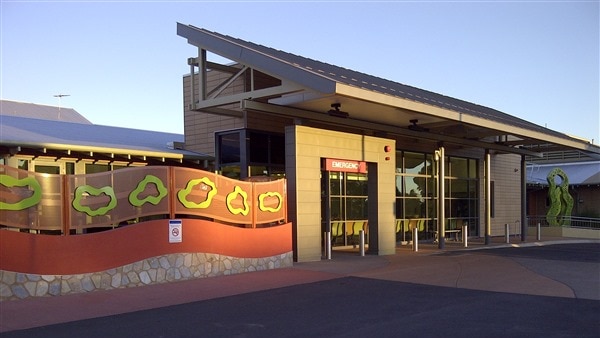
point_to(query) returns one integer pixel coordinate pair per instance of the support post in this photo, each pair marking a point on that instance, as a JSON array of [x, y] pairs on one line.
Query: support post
[[361, 244], [441, 215], [327, 245], [201, 74], [539, 232], [523, 199], [465, 235], [415, 233], [488, 198], [328, 230], [506, 233]]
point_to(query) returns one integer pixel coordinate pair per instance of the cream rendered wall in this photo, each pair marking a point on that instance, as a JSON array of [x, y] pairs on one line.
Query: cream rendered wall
[[305, 147], [505, 173]]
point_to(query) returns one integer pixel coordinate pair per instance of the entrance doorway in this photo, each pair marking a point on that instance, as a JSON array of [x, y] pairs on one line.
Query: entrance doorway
[[344, 207]]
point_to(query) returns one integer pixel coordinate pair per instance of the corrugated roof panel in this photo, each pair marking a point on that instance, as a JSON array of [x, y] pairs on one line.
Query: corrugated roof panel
[[16, 130], [38, 111], [578, 173]]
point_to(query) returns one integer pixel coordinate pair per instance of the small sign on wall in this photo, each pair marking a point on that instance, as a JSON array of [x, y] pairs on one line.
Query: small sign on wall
[[175, 231], [349, 166]]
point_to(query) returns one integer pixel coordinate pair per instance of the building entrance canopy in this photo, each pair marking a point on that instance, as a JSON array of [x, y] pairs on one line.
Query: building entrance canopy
[[306, 89]]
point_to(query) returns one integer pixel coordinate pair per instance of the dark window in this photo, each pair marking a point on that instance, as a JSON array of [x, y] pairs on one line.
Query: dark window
[[229, 147], [277, 149], [91, 168], [259, 147]]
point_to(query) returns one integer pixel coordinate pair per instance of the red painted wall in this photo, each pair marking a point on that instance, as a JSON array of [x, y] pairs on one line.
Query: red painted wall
[[64, 255]]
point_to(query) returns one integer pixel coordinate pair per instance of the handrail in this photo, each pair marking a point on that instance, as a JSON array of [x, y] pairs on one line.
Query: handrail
[[570, 221]]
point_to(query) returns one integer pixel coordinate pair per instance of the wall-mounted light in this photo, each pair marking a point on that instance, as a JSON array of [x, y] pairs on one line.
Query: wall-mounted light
[[336, 111]]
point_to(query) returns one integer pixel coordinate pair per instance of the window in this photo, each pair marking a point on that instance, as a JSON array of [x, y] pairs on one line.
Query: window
[[246, 153], [416, 190], [96, 168], [228, 146]]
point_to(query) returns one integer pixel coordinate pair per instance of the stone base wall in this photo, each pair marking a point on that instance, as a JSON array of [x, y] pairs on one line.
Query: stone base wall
[[155, 270]]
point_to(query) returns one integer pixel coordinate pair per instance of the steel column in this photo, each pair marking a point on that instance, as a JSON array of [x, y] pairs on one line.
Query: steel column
[[488, 197], [441, 212]]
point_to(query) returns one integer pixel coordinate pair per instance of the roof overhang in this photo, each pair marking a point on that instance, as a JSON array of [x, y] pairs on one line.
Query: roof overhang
[[307, 91], [95, 153], [365, 105], [387, 128]]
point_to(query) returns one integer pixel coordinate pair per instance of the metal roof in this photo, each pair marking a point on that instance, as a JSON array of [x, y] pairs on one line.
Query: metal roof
[[38, 111], [377, 84], [579, 173], [18, 131], [388, 102]]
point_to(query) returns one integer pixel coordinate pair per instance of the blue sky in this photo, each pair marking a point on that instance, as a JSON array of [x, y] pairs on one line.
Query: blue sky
[[122, 62]]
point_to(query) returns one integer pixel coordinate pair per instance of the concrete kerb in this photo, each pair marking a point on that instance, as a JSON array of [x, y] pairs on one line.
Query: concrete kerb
[[522, 244], [429, 248]]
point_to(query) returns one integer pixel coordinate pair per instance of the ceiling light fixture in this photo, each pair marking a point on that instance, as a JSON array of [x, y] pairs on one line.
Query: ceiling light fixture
[[336, 111], [415, 127]]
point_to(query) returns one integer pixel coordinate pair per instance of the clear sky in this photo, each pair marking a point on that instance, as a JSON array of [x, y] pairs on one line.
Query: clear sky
[[122, 62]]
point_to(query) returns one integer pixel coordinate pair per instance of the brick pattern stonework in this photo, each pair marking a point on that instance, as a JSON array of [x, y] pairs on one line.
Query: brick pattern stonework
[[155, 270]]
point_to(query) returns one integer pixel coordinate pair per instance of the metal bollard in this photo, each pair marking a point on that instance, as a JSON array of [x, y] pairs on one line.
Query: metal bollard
[[328, 245], [361, 244], [465, 235], [506, 233], [539, 232], [415, 235]]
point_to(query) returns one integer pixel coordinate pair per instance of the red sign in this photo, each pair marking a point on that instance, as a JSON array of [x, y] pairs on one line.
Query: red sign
[[345, 166]]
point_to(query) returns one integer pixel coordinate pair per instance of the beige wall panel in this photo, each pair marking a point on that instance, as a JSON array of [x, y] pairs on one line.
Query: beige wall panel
[[507, 196], [505, 172], [306, 146]]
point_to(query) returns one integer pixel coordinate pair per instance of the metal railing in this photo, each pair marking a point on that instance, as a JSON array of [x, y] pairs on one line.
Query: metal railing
[[571, 221]]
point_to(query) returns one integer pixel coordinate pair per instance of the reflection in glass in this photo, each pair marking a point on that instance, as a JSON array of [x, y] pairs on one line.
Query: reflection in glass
[[229, 147], [336, 209], [414, 163], [356, 208], [416, 189], [458, 167], [356, 184], [335, 183]]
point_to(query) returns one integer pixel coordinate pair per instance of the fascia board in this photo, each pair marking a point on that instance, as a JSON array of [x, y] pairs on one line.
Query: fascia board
[[384, 99], [96, 149]]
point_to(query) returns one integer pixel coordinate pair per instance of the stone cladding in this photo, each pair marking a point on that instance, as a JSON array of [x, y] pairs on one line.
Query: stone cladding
[[155, 270]]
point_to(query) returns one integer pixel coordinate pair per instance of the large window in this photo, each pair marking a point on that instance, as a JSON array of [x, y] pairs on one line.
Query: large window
[[462, 200], [246, 153], [416, 192]]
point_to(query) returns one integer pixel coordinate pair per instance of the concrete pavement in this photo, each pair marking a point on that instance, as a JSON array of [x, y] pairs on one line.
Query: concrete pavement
[[553, 274]]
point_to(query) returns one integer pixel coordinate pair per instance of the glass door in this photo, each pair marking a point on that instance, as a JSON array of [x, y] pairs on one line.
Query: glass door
[[345, 202]]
